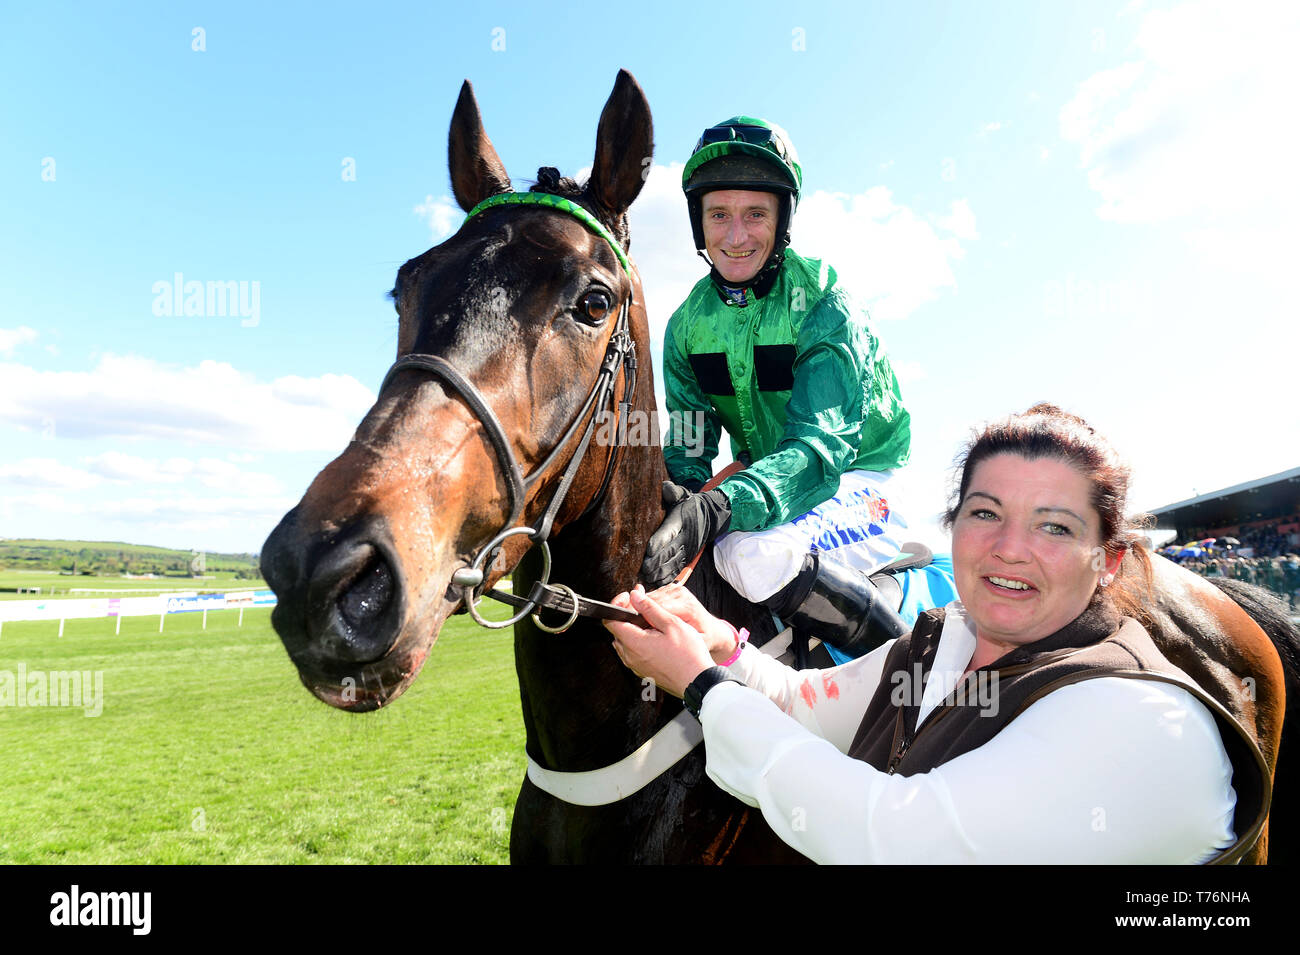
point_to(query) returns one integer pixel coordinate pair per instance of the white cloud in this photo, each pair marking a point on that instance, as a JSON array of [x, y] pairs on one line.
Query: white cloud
[[992, 127], [42, 503], [1198, 126], [909, 371], [12, 338], [211, 511], [116, 467], [218, 475], [1270, 251], [47, 473], [318, 392], [960, 222], [151, 518], [662, 246], [886, 252], [212, 473], [1081, 119], [442, 214], [211, 403]]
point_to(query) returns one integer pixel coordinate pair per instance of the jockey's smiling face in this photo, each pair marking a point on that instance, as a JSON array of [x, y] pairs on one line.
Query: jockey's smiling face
[[739, 231]]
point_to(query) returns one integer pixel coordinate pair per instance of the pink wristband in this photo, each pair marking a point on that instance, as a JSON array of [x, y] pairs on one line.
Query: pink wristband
[[741, 638]]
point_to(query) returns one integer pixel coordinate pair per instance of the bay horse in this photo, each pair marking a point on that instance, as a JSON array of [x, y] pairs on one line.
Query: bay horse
[[514, 335]]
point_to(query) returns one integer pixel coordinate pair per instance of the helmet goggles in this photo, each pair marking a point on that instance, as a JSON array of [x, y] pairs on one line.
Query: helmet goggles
[[754, 135]]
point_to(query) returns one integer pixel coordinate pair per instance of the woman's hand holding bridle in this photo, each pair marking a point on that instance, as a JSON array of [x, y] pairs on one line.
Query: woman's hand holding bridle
[[672, 651]]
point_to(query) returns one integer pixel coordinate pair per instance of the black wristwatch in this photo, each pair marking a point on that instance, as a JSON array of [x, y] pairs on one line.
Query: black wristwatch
[[694, 695]]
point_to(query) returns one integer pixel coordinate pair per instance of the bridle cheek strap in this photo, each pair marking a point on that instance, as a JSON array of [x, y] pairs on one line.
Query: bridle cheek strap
[[439, 367]]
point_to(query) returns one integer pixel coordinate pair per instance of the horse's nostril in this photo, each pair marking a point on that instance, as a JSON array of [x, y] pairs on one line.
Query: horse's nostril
[[354, 601], [368, 596]]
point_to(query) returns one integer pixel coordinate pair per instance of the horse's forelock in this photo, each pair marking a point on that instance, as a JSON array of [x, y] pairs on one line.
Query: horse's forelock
[[550, 181]]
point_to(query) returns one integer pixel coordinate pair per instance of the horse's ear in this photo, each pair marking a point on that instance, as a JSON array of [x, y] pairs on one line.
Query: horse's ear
[[624, 148], [476, 170]]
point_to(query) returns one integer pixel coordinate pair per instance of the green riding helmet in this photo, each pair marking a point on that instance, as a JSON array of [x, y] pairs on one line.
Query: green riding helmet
[[744, 152]]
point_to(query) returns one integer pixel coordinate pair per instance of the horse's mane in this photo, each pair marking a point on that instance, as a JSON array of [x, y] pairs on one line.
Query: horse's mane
[[549, 180]]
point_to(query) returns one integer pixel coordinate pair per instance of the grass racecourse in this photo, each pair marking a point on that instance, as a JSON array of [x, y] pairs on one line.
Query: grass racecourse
[[209, 750]]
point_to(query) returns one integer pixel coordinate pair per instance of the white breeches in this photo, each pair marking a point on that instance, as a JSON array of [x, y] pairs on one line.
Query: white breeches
[[859, 527]]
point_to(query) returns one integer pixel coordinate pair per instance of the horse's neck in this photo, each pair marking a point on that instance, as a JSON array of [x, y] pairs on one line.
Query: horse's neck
[[582, 708]]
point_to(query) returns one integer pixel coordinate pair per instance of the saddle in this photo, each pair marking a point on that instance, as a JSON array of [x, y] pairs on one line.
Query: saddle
[[886, 578]]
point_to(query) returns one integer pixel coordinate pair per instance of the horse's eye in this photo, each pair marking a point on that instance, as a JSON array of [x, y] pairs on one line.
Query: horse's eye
[[595, 305]]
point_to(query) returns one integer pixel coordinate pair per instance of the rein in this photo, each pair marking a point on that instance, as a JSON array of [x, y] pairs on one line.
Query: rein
[[620, 355]]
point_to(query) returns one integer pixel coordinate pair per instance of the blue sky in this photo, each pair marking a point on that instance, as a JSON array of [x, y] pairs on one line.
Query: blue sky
[[1092, 204]]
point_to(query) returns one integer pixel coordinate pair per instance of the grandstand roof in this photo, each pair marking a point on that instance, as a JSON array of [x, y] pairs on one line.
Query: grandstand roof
[[1277, 495]]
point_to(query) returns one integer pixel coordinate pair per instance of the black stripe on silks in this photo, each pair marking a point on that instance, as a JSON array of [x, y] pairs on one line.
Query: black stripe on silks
[[774, 367], [711, 372]]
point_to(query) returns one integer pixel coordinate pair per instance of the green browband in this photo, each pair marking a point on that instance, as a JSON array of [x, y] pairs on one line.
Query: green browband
[[554, 202]]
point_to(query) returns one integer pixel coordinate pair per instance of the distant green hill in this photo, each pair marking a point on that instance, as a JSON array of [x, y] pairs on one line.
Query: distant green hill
[[111, 558]]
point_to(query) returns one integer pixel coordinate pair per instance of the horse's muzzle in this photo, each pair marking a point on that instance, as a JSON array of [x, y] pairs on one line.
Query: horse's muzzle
[[340, 595]]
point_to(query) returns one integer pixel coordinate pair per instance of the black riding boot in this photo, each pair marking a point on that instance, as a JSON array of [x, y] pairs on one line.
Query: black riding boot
[[839, 606]]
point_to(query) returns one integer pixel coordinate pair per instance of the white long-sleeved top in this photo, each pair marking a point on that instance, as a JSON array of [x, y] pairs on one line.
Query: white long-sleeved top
[[1103, 771]]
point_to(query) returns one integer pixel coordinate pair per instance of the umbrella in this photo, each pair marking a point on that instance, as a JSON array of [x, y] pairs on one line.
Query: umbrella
[[1228, 542], [1191, 551]]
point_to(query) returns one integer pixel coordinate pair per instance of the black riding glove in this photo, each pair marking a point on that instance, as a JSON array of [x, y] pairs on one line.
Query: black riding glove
[[693, 520]]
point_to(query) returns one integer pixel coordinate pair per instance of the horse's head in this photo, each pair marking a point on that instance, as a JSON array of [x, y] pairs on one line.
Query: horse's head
[[503, 330]]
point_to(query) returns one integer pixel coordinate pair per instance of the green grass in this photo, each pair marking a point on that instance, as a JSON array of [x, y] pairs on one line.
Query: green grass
[[209, 750]]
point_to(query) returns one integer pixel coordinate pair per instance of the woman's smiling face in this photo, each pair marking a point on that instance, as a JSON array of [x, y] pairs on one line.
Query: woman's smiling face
[[1026, 549]]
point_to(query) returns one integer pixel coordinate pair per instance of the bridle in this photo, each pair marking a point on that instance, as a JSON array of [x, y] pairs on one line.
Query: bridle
[[620, 354]]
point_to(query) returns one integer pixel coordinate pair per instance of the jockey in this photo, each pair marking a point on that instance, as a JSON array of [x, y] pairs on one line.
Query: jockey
[[772, 349]]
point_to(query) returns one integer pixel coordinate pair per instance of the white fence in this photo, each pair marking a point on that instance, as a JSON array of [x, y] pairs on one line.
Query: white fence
[[158, 605]]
